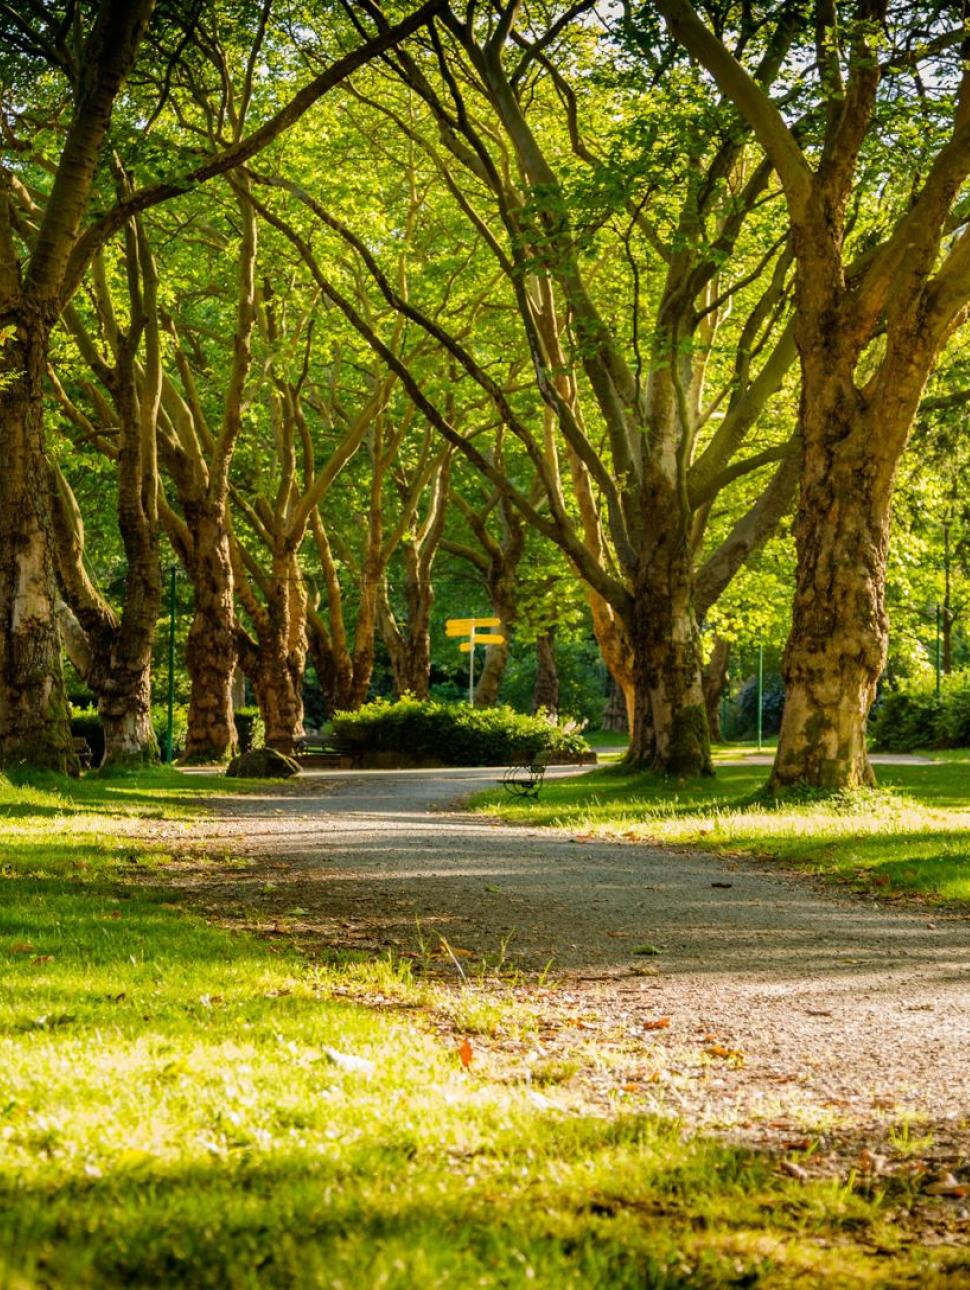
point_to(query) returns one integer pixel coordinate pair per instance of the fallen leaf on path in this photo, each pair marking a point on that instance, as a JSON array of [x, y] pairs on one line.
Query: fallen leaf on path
[[647, 949], [722, 884], [465, 1053], [660, 1023], [726, 1054]]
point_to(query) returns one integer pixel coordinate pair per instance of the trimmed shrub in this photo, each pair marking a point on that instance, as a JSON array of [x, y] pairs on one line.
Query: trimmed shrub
[[453, 734], [914, 717]]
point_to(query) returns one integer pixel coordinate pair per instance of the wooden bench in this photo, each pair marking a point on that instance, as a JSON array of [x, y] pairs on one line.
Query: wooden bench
[[526, 778], [82, 751]]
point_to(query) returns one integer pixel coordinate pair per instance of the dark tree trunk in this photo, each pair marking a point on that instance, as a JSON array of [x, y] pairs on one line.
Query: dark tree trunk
[[545, 693], [715, 679], [35, 725]]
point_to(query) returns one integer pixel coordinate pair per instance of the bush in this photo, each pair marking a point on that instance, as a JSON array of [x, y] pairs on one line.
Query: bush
[[453, 734], [916, 717], [180, 727], [249, 729]]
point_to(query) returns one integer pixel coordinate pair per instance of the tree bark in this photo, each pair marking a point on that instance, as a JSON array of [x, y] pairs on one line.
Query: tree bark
[[715, 679], [669, 731], [545, 692], [211, 644], [34, 716], [276, 660], [615, 709], [837, 648]]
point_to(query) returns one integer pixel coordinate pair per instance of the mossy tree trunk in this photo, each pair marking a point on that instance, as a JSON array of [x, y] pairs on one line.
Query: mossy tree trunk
[[669, 731], [34, 716]]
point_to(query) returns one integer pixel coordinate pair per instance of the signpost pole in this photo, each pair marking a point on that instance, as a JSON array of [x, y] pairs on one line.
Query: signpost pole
[[471, 670], [170, 723], [761, 690]]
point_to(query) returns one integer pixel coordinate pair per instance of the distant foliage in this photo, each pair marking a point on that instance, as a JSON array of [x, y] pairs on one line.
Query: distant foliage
[[86, 724], [180, 727], [249, 729], [453, 734], [916, 717]]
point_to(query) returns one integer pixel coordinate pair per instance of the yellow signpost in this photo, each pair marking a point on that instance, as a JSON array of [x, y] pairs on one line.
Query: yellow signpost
[[470, 627]]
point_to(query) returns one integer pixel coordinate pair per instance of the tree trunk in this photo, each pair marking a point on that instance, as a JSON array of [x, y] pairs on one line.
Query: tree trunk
[[669, 731], [278, 685], [490, 679], [211, 645], [715, 679], [35, 725], [615, 709], [126, 718], [545, 693], [837, 648], [277, 659]]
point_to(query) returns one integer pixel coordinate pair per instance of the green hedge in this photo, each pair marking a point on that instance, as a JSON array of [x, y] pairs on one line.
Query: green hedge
[[919, 718], [453, 734]]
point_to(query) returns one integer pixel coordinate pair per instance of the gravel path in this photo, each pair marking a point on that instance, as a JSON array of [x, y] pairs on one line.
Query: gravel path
[[772, 1005]]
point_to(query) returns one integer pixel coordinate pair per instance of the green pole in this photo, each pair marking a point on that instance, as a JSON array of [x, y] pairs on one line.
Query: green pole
[[938, 625], [170, 727], [761, 688]]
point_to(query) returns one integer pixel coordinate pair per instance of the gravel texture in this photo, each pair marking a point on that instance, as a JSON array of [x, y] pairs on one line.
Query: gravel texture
[[765, 1005]]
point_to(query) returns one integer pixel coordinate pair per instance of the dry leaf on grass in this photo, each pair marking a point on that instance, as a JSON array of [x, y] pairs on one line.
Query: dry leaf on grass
[[660, 1023], [465, 1054]]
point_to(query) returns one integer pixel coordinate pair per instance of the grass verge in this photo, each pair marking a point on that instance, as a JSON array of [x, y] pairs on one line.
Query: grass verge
[[181, 1105], [909, 837]]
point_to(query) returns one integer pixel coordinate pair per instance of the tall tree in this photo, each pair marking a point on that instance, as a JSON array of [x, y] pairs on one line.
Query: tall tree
[[91, 50], [870, 322], [627, 422]]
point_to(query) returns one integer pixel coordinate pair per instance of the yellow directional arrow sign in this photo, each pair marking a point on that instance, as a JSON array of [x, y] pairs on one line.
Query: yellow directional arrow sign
[[465, 626], [486, 638]]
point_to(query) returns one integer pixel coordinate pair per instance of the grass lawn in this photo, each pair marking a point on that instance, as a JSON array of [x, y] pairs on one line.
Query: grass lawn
[[185, 1106], [909, 836]]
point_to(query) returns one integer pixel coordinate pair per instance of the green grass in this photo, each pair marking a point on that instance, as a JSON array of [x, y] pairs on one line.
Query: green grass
[[169, 1115], [910, 836]]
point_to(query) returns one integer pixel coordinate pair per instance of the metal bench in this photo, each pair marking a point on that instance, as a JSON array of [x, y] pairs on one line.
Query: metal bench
[[526, 778]]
